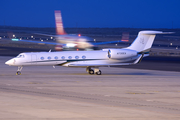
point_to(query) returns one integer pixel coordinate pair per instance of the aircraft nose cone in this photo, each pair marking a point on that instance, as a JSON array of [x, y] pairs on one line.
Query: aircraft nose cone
[[10, 62]]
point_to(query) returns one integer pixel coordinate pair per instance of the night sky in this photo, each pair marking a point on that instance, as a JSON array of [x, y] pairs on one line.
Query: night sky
[[92, 13]]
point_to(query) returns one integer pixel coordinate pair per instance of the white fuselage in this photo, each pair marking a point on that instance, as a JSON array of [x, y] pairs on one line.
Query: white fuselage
[[64, 58]]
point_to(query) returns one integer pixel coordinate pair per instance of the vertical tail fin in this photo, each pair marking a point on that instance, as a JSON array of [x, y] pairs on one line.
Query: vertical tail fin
[[144, 40], [59, 23]]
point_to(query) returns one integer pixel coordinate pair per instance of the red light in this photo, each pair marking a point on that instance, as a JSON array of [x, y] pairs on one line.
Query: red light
[[125, 40], [79, 35], [77, 49]]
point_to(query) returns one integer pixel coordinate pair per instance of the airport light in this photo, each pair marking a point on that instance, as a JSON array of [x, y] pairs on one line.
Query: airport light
[[46, 39], [41, 40], [71, 45], [31, 36], [94, 39], [15, 39], [13, 35], [170, 43], [0, 37], [51, 37], [116, 44]]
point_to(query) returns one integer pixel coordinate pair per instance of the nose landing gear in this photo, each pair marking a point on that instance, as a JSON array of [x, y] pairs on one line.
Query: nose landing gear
[[19, 71], [91, 71]]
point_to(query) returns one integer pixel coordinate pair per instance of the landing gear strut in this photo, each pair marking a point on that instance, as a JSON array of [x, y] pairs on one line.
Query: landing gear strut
[[19, 71], [91, 71]]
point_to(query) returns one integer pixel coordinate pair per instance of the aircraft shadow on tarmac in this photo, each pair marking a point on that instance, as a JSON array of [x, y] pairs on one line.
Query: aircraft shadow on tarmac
[[130, 73]]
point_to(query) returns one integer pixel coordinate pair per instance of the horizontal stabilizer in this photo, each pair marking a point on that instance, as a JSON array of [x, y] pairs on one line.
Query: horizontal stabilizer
[[154, 32], [38, 42]]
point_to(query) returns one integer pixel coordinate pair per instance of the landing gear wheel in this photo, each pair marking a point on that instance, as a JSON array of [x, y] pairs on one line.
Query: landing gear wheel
[[91, 72], [98, 73], [18, 73], [19, 70]]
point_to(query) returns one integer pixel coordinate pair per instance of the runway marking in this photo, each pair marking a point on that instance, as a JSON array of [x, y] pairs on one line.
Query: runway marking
[[65, 95], [39, 88], [137, 93], [35, 83], [107, 95], [155, 91], [53, 81]]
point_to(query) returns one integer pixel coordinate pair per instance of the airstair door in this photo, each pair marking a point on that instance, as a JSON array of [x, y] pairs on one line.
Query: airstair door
[[33, 59]]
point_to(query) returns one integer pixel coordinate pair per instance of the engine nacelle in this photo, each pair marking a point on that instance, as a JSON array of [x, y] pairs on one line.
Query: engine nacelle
[[121, 53]]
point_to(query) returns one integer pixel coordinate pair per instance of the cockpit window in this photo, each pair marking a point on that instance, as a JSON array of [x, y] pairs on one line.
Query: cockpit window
[[20, 56]]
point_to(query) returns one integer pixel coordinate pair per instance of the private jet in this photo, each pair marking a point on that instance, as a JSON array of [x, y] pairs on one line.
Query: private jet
[[91, 60], [67, 41]]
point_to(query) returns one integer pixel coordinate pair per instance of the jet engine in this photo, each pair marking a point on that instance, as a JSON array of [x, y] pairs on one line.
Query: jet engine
[[120, 53]]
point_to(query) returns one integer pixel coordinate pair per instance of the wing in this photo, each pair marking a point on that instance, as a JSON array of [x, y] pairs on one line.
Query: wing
[[137, 61], [109, 42], [39, 42]]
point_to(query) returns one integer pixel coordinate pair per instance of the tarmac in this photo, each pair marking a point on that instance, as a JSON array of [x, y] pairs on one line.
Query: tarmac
[[47, 93]]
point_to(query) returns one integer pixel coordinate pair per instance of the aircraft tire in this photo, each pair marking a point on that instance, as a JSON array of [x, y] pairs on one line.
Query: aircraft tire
[[18, 73], [91, 72], [98, 73]]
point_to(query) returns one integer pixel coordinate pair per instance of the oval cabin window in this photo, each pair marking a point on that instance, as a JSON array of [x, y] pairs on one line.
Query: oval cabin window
[[62, 57], [70, 57], [77, 57], [83, 57], [55, 57], [49, 58], [42, 58]]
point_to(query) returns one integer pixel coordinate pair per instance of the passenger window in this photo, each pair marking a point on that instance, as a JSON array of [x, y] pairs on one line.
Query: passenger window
[[83, 57], [55, 57], [70, 57], [77, 57], [42, 58], [49, 58], [62, 57]]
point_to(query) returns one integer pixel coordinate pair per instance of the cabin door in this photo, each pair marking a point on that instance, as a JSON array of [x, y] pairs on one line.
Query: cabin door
[[33, 59]]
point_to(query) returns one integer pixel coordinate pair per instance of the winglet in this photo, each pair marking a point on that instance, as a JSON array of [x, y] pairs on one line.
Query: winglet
[[59, 23], [139, 59]]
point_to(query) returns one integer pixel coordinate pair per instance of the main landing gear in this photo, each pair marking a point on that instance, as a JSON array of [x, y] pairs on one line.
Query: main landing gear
[[91, 71], [19, 71]]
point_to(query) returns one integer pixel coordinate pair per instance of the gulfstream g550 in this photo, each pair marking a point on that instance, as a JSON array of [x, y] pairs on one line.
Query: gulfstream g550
[[91, 60]]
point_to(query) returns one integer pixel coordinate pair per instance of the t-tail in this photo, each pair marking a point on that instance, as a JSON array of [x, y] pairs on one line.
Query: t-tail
[[144, 41], [59, 23]]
